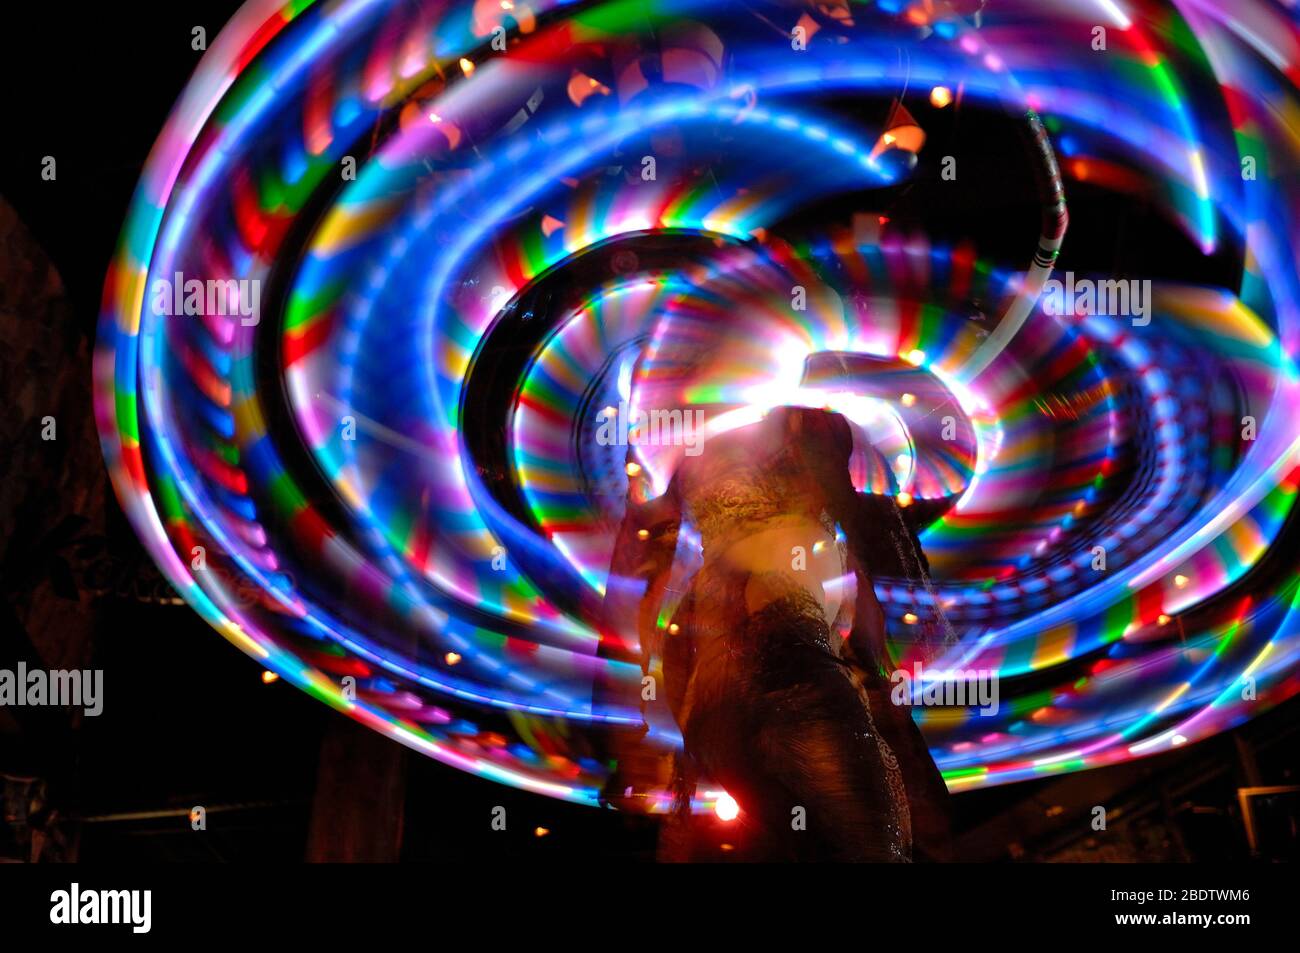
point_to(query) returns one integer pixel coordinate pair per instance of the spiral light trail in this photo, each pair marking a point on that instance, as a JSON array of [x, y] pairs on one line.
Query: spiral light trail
[[451, 238]]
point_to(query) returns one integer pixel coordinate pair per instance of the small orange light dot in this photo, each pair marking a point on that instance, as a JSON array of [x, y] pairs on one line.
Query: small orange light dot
[[541, 831], [909, 618], [1162, 619], [904, 498], [940, 97], [674, 629], [909, 400], [269, 677], [633, 469], [467, 66], [1181, 581], [643, 534], [451, 658], [915, 357]]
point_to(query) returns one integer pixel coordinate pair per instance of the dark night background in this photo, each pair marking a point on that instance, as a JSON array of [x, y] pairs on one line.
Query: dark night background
[[188, 720]]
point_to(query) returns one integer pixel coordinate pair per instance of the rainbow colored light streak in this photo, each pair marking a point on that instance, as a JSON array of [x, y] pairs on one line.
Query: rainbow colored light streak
[[374, 546]]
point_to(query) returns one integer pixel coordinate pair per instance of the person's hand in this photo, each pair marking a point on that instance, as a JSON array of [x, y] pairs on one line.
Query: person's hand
[[638, 484]]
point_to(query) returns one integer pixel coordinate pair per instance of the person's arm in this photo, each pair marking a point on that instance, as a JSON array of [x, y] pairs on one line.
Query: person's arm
[[866, 650], [884, 540], [881, 544], [640, 568]]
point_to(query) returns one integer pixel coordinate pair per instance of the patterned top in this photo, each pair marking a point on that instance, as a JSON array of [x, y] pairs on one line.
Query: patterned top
[[734, 499]]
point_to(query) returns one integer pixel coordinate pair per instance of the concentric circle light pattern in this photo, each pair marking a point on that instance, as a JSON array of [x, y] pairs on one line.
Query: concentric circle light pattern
[[438, 245]]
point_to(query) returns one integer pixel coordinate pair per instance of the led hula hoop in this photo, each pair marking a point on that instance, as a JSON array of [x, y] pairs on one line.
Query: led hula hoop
[[447, 237]]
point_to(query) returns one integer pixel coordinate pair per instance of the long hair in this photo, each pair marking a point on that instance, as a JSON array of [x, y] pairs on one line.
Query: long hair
[[882, 537]]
